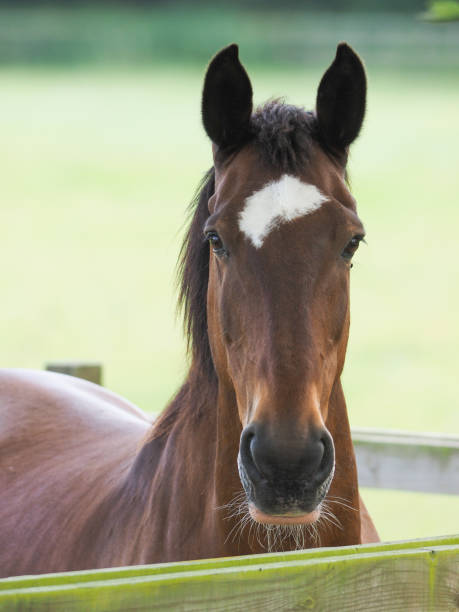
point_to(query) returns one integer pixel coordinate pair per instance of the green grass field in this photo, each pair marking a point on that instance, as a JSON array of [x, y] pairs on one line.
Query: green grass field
[[97, 167]]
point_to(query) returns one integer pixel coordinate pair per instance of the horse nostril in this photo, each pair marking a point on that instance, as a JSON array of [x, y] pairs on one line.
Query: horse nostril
[[319, 458], [328, 456], [245, 452]]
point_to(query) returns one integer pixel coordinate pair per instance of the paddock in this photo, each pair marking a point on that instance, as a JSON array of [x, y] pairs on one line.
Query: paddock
[[409, 575]]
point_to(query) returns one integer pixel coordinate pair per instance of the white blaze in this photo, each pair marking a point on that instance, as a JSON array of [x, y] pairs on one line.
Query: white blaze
[[277, 202]]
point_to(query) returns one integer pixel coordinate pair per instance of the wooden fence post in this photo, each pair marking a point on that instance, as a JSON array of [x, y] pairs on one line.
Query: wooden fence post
[[87, 371]]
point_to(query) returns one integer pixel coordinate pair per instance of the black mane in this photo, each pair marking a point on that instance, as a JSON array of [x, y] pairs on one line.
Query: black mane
[[193, 277]]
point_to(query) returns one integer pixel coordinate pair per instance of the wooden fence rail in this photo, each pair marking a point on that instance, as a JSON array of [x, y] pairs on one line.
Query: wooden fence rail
[[409, 461], [417, 575]]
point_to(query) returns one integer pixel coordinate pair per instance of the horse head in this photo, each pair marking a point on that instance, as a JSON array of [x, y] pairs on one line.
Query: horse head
[[282, 228]]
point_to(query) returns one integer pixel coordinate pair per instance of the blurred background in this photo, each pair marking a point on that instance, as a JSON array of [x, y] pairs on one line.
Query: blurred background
[[102, 149]]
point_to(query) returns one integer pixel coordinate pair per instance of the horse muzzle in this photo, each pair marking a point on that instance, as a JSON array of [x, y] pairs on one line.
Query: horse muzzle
[[285, 478]]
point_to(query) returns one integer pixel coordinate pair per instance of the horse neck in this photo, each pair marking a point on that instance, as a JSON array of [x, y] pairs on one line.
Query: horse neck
[[197, 445], [174, 474], [343, 497]]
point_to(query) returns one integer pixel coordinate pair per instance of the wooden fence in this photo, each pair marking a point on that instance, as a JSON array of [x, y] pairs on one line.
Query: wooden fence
[[417, 576], [412, 575]]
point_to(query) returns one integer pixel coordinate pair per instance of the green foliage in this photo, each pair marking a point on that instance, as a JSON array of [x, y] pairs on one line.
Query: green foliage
[[366, 6], [122, 35], [442, 10]]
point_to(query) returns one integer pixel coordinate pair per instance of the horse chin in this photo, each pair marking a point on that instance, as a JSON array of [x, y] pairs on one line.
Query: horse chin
[[284, 519]]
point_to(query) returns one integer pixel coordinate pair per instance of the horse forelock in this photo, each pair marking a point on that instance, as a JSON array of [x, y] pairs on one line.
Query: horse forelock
[[283, 135]]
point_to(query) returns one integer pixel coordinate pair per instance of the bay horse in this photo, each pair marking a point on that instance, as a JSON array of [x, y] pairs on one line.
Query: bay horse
[[254, 452]]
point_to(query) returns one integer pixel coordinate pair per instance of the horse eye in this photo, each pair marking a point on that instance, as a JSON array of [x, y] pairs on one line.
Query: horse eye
[[351, 247], [216, 242]]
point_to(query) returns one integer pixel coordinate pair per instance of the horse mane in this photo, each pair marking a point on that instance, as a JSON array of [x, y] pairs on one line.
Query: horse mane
[[193, 277], [192, 281], [283, 135]]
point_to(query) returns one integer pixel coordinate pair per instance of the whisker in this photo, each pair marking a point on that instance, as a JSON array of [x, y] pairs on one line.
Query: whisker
[[272, 537], [341, 501], [237, 509], [329, 517]]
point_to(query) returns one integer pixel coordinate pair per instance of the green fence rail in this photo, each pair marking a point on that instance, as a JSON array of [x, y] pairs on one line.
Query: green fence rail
[[413, 575]]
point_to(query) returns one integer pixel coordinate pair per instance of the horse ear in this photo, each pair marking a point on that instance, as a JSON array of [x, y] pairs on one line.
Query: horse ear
[[341, 98], [227, 99]]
